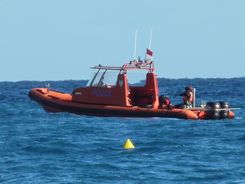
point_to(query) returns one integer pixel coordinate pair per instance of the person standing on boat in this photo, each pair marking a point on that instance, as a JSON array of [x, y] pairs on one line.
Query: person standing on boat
[[188, 97]]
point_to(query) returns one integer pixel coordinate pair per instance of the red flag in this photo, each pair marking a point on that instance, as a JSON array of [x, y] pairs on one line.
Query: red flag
[[149, 52]]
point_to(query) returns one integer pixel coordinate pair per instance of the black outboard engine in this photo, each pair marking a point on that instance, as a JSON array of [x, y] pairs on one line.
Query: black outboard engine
[[224, 112], [213, 110]]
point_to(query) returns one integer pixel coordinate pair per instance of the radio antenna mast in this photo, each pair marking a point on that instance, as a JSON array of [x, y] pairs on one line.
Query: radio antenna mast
[[135, 43], [150, 39]]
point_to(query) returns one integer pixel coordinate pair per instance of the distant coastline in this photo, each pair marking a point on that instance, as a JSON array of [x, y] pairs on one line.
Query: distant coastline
[[160, 79]]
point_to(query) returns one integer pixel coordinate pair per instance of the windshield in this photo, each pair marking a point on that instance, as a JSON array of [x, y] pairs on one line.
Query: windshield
[[109, 78], [103, 78]]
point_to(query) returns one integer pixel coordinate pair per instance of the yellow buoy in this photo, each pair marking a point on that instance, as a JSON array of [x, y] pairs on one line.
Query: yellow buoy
[[128, 144]]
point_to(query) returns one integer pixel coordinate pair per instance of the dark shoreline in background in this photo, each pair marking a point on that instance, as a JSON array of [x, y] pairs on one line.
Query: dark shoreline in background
[[160, 79]]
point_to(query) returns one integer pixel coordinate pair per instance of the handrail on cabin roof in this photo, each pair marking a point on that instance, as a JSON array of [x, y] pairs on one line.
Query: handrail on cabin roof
[[132, 65]]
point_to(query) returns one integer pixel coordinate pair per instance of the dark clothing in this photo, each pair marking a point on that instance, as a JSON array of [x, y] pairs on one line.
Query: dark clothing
[[164, 102]]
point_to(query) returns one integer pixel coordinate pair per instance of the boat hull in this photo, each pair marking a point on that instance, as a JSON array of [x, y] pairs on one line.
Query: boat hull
[[53, 101]]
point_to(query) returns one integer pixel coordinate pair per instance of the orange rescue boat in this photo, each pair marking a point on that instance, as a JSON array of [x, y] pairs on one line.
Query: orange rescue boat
[[104, 96]]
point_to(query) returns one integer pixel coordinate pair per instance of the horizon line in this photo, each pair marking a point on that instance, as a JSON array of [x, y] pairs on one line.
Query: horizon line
[[64, 80]]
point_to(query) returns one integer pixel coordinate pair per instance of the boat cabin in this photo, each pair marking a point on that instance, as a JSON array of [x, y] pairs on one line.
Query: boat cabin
[[109, 86]]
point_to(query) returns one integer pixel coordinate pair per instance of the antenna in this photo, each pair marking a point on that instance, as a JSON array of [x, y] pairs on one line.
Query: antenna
[[150, 39], [135, 43]]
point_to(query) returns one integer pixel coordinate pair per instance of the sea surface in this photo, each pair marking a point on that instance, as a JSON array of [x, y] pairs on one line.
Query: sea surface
[[40, 147]]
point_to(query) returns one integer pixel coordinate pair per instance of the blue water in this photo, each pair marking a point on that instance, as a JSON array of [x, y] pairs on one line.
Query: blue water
[[40, 147]]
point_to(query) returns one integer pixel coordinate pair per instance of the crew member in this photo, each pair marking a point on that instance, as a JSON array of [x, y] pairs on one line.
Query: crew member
[[165, 102], [187, 97]]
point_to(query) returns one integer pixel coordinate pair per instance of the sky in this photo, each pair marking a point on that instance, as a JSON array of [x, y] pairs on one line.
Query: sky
[[62, 39]]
